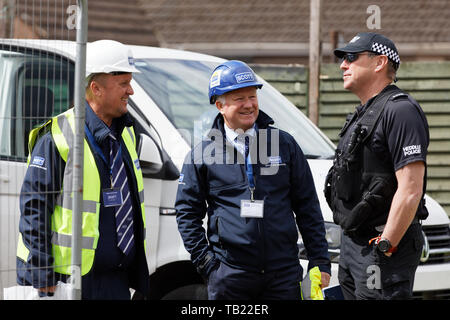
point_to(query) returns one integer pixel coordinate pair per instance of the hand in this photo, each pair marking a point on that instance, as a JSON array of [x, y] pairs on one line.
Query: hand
[[325, 279], [388, 254], [47, 291]]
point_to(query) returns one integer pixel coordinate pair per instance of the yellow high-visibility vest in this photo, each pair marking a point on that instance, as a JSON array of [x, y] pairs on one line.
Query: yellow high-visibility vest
[[62, 130]]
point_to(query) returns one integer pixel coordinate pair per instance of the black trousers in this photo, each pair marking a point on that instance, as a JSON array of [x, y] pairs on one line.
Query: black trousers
[[366, 273], [227, 283]]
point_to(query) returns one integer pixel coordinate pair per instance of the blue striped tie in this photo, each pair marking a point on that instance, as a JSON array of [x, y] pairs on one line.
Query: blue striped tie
[[246, 141], [124, 213], [247, 146]]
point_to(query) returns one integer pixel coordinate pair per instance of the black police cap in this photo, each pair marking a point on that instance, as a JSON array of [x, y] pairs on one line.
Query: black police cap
[[372, 42]]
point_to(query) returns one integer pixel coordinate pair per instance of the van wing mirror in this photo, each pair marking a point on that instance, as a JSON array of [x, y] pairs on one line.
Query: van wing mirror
[[155, 162]]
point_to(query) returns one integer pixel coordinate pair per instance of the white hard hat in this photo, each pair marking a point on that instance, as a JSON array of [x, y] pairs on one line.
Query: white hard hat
[[105, 56]]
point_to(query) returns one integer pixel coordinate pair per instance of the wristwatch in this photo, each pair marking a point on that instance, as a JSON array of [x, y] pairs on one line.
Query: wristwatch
[[385, 246]]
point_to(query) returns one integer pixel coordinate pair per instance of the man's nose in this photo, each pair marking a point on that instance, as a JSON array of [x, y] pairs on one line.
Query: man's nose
[[130, 90], [248, 103]]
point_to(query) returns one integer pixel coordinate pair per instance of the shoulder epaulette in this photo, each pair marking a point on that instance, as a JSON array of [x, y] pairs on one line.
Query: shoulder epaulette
[[399, 95]]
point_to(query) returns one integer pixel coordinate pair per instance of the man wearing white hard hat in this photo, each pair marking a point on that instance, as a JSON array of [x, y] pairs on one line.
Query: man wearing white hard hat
[[113, 224]]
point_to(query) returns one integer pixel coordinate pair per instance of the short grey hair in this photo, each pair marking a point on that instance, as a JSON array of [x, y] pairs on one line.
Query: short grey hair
[[221, 99]]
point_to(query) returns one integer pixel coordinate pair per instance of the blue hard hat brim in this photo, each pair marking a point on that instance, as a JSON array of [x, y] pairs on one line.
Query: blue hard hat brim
[[219, 92]]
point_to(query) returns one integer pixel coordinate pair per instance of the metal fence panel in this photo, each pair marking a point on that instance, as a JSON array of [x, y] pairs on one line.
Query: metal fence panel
[[36, 84]]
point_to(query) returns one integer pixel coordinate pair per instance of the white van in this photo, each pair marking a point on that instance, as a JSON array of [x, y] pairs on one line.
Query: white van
[[172, 112]]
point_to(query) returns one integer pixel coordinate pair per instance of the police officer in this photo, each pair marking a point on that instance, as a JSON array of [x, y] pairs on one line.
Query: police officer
[[250, 248], [113, 231], [377, 183]]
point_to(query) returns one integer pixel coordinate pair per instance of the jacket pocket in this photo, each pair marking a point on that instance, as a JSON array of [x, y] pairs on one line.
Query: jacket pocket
[[372, 206], [348, 180]]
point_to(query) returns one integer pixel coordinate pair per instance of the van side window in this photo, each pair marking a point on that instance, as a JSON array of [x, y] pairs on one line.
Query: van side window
[[35, 86]]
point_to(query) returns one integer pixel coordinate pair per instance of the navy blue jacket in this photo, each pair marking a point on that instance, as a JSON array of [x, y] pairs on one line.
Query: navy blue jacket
[[210, 185], [40, 188]]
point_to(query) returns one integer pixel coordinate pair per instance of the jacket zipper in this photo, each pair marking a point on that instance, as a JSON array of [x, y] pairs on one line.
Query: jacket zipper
[[260, 225]]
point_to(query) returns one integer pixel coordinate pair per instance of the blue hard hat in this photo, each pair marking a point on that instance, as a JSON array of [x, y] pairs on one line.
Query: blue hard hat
[[229, 76]]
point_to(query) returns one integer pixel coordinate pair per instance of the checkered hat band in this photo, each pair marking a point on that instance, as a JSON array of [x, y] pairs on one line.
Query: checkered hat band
[[382, 49]]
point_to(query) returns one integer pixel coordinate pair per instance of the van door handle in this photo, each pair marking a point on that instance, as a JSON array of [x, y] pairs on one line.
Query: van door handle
[[4, 178]]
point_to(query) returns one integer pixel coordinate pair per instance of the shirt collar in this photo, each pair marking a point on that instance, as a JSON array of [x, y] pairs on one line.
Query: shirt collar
[[100, 130], [96, 126], [232, 134]]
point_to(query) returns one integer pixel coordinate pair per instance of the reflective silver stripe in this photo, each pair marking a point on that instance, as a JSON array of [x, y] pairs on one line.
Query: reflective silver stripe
[[131, 135], [141, 196], [65, 240], [66, 129], [88, 205], [67, 132]]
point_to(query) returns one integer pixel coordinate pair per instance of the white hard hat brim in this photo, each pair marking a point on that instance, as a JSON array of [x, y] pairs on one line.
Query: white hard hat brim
[[108, 69]]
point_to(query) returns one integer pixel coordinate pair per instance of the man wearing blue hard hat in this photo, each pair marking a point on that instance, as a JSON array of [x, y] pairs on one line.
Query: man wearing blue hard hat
[[254, 202]]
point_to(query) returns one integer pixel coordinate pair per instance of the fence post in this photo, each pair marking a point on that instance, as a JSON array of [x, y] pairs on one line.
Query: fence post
[[80, 75], [314, 61]]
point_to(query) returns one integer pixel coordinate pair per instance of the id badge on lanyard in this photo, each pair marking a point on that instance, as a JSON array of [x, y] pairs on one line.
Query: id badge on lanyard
[[112, 197], [251, 208]]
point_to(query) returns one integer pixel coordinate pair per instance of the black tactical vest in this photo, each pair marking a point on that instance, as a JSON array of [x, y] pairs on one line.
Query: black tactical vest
[[359, 186]]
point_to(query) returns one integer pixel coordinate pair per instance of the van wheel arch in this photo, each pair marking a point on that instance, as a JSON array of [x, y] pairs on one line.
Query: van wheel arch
[[177, 280]]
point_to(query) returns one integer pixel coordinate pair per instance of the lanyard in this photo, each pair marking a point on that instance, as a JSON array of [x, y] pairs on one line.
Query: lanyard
[[250, 177], [99, 150]]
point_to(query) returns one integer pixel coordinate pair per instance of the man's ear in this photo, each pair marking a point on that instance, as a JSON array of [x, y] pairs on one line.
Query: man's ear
[[382, 63], [219, 106], [95, 88]]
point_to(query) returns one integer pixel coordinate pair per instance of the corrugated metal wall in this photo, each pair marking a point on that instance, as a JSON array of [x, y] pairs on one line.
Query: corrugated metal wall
[[427, 82], [290, 80]]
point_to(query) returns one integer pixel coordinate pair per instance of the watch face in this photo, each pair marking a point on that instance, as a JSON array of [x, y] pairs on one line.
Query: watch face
[[383, 245]]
